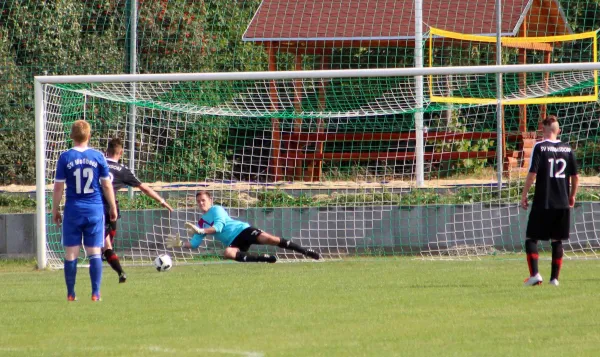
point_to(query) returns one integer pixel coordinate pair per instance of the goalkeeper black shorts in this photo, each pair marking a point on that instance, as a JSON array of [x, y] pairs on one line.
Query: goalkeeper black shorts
[[547, 224], [246, 238]]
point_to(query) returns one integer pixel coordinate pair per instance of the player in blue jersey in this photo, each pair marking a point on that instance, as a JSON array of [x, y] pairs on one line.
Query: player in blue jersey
[[236, 236], [85, 173]]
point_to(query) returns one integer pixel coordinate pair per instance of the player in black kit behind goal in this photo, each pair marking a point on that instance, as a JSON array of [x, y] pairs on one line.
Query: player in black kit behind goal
[[554, 170]]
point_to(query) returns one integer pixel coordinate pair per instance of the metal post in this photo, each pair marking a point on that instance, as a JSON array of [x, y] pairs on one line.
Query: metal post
[[131, 110], [499, 94], [320, 74], [419, 149], [40, 175]]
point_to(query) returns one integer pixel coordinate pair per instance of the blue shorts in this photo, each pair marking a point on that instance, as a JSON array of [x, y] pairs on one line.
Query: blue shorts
[[82, 226]]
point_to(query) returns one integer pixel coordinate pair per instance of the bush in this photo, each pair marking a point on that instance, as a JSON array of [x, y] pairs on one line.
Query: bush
[[588, 156]]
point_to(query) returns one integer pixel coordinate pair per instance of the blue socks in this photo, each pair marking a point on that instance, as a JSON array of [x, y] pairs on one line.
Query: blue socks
[[70, 274], [96, 273]]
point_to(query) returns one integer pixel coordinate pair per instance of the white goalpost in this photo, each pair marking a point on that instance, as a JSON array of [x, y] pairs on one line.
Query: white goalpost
[[335, 172]]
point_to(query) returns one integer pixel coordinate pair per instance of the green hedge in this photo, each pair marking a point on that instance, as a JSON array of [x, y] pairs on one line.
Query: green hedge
[[11, 203]]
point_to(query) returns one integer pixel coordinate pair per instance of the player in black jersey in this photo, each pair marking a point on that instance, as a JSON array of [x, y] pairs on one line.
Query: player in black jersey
[[121, 176], [554, 170]]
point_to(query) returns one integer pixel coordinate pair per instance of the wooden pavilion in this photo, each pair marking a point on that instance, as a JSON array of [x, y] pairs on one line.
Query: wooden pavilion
[[317, 27]]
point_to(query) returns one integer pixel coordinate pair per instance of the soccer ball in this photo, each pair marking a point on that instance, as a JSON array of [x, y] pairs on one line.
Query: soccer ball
[[163, 262]]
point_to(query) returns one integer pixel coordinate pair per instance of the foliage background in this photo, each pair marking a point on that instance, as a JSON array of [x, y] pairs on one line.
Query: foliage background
[[90, 37]]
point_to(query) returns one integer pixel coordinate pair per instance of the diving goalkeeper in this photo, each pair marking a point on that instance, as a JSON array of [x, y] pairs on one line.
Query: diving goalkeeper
[[235, 235]]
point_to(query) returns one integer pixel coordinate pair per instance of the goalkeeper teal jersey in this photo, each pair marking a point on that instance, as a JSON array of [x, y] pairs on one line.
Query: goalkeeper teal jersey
[[227, 228]]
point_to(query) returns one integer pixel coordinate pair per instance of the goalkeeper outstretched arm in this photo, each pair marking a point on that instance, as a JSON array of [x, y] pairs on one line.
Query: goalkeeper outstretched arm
[[198, 235]]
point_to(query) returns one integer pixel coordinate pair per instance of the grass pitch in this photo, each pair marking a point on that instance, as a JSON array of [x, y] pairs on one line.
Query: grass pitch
[[378, 307]]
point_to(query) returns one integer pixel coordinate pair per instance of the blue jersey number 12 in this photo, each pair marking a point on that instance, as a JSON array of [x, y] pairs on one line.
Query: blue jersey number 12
[[87, 173]]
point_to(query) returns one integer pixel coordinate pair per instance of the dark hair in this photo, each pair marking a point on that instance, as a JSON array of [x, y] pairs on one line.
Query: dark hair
[[113, 145], [206, 193], [550, 119]]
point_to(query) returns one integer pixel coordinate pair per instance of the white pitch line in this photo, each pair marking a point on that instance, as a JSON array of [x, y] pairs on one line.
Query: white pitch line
[[206, 350], [147, 348], [12, 349]]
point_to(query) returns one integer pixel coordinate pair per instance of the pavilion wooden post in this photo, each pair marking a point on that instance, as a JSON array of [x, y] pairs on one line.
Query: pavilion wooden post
[[523, 81], [316, 166], [543, 107], [510, 162], [296, 146], [449, 88], [275, 127], [526, 140], [513, 160]]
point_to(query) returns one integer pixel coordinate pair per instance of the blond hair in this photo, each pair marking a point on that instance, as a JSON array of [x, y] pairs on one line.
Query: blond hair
[[81, 131]]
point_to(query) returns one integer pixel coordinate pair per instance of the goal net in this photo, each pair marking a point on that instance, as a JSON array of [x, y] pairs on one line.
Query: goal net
[[326, 159], [446, 47]]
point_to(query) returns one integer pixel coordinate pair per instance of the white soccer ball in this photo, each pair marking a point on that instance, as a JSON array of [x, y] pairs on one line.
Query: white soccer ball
[[163, 262]]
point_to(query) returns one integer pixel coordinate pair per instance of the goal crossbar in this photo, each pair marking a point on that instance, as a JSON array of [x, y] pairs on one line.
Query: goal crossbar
[[315, 74]]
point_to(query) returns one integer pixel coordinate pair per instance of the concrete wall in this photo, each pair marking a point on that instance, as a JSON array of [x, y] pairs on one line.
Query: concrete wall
[[372, 229], [17, 235]]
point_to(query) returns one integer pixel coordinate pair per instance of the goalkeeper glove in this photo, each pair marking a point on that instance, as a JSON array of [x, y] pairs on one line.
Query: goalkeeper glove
[[194, 229], [174, 242]]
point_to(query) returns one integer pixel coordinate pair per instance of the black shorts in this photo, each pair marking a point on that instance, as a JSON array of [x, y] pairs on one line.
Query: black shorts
[[546, 224], [246, 238], [110, 228]]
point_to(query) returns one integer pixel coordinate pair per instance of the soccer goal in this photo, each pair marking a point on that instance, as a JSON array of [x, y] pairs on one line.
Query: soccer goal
[[328, 158]]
